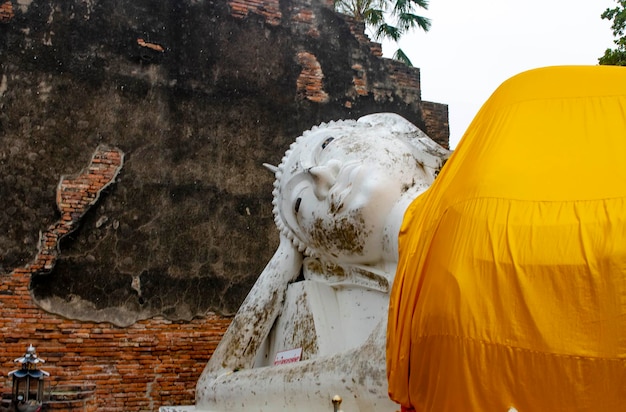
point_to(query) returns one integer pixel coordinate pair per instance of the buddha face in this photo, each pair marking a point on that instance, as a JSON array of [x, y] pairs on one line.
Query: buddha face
[[339, 186]]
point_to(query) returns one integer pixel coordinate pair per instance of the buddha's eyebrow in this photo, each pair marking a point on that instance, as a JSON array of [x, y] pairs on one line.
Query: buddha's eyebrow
[[310, 152]]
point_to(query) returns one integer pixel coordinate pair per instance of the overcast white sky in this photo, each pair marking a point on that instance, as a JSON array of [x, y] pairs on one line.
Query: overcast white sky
[[473, 46]]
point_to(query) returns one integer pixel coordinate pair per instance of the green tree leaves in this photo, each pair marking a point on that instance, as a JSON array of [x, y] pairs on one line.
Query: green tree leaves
[[389, 19], [616, 57]]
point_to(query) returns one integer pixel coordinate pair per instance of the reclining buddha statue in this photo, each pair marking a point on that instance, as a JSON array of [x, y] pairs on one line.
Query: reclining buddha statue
[[314, 324]]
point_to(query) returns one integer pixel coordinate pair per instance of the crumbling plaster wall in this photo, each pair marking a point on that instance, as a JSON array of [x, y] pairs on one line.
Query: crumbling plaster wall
[[197, 94], [99, 366], [144, 257]]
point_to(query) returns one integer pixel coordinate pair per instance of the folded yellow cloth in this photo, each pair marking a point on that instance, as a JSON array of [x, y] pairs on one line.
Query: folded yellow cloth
[[511, 285]]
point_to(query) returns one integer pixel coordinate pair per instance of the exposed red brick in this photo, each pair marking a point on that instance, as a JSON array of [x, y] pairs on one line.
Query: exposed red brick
[[435, 117], [357, 28], [269, 9], [310, 82], [97, 366], [6, 12], [304, 16], [153, 46], [359, 80]]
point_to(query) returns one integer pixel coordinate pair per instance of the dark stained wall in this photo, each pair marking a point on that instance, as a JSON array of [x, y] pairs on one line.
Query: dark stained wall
[[132, 196], [197, 95]]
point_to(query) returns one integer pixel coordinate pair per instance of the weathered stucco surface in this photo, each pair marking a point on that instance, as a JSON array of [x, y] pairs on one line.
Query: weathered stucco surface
[[197, 95]]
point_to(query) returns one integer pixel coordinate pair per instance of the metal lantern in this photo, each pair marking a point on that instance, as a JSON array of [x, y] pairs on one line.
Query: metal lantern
[[28, 382]]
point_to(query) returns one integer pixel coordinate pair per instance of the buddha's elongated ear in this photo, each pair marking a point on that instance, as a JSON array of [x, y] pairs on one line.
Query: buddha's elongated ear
[[271, 168]]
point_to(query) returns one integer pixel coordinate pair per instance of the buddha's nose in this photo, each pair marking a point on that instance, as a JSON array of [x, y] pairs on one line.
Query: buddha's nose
[[324, 177]]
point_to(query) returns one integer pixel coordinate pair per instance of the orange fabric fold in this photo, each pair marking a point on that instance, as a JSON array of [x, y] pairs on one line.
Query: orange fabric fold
[[510, 290]]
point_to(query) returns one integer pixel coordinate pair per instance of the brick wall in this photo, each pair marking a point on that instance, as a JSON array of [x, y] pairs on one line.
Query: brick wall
[[358, 31], [310, 83], [435, 117], [269, 9], [139, 368], [404, 80], [6, 12], [154, 362]]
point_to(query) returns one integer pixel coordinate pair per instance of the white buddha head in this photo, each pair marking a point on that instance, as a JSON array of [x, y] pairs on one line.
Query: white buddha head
[[338, 183]]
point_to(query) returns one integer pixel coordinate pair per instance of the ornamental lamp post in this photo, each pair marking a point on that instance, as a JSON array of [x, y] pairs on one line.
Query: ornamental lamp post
[[28, 382]]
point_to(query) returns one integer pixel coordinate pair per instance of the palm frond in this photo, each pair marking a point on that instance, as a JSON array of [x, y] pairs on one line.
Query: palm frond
[[410, 21], [388, 31], [401, 6], [401, 56], [354, 8], [388, 19], [422, 4], [374, 17]]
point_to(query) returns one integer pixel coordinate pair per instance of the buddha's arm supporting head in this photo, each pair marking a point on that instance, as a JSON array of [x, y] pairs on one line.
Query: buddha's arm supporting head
[[257, 313]]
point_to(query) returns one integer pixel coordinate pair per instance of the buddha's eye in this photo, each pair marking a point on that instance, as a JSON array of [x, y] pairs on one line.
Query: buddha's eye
[[327, 142], [297, 206]]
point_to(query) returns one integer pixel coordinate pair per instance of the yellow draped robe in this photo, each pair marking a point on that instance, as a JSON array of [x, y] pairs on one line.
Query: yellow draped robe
[[511, 285]]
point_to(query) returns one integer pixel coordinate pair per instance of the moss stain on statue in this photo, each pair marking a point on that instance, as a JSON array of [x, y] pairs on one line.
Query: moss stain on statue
[[345, 234]]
